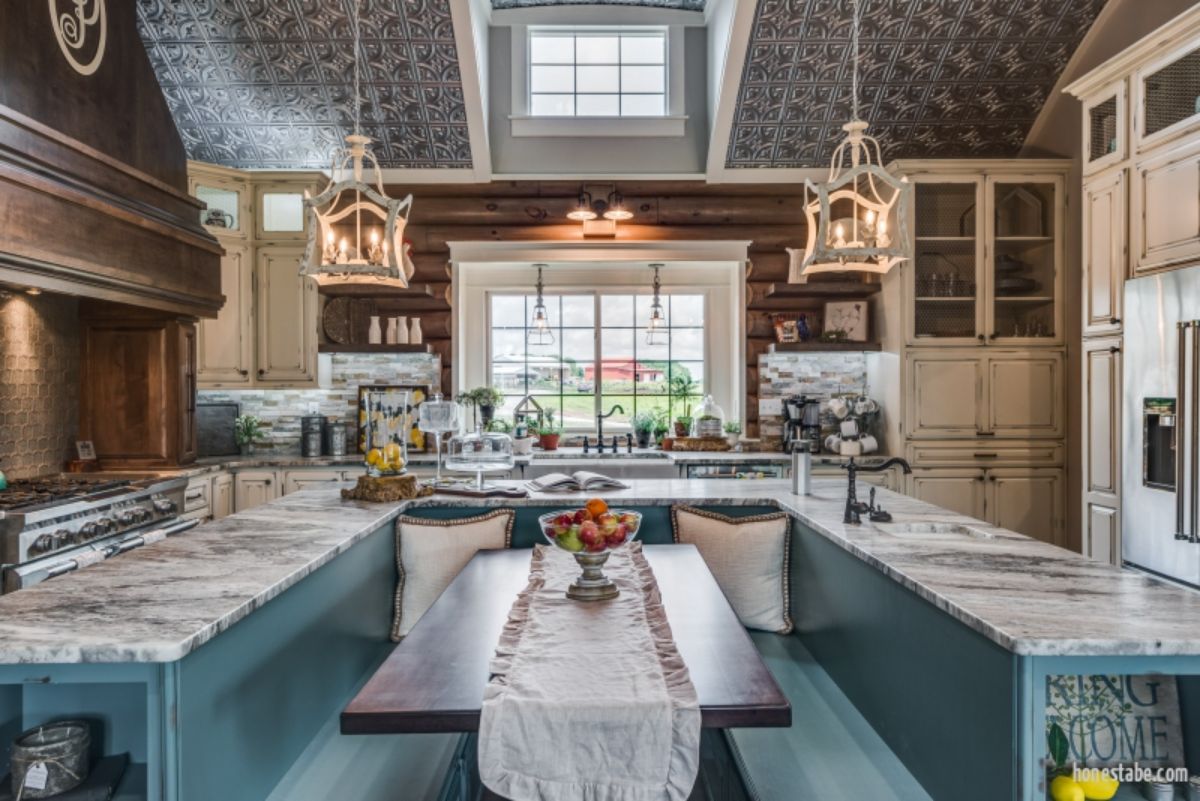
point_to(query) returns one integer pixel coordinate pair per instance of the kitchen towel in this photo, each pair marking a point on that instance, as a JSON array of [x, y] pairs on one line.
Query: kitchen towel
[[589, 701]]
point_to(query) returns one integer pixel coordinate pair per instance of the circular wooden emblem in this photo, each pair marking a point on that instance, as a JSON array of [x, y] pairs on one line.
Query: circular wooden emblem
[[81, 27]]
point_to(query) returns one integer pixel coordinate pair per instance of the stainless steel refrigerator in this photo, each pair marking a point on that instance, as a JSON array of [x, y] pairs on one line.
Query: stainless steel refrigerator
[[1160, 529]]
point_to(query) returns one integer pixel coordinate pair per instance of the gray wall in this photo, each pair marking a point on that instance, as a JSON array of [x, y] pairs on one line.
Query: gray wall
[[598, 155]]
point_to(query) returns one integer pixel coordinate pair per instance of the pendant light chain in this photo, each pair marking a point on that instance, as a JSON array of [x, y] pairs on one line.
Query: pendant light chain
[[357, 71], [854, 46]]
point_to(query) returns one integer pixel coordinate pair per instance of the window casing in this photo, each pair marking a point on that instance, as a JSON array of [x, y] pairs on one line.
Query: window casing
[[599, 358], [598, 72]]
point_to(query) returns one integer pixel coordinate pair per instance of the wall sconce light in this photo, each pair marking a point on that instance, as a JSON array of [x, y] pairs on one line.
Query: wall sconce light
[[599, 212]]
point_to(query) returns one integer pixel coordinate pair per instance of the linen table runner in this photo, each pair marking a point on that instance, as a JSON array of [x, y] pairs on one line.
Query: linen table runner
[[589, 701]]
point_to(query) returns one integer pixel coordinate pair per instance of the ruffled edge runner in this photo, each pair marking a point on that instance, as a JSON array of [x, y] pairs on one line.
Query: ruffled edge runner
[[676, 678]]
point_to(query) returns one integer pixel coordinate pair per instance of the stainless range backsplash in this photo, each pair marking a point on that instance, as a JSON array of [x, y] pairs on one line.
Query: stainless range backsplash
[[281, 409]]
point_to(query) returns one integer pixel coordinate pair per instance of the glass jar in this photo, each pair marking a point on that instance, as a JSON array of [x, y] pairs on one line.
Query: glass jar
[[709, 419], [386, 415], [480, 452]]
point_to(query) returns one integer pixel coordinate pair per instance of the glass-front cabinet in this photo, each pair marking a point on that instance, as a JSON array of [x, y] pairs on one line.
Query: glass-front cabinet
[[987, 260], [1167, 96]]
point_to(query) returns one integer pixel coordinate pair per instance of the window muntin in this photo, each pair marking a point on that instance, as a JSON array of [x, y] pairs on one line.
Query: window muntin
[[596, 336], [598, 73]]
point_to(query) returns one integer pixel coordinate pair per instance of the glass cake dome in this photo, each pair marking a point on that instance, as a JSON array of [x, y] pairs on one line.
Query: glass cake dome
[[480, 452], [709, 419]]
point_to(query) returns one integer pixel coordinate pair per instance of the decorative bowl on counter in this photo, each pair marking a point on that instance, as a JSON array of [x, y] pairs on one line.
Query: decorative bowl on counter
[[591, 533], [480, 452]]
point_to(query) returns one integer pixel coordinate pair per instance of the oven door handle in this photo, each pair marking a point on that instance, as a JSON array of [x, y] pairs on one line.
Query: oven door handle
[[1181, 415], [148, 537], [1194, 446]]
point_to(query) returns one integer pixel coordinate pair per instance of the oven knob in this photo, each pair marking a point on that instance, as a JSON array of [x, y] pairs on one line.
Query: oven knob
[[63, 537], [43, 544], [141, 515], [126, 519], [89, 531], [164, 506], [107, 525]]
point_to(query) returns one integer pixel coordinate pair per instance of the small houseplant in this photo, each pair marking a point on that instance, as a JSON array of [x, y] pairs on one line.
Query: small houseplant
[[483, 399], [684, 388], [549, 432], [661, 425], [733, 432], [643, 427], [246, 430]]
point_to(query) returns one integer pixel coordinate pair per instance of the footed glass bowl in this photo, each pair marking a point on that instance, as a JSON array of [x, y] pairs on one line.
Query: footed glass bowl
[[591, 535]]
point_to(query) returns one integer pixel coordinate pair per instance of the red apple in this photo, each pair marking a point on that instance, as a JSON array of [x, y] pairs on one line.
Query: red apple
[[590, 533], [550, 532], [608, 523], [630, 520], [618, 535], [562, 524]]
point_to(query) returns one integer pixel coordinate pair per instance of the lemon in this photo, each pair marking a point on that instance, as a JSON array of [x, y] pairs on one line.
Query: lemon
[[374, 457], [1064, 788], [391, 452], [1099, 789]]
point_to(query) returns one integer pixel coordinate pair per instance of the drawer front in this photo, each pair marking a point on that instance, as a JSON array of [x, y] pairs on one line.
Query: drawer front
[[984, 453], [196, 498]]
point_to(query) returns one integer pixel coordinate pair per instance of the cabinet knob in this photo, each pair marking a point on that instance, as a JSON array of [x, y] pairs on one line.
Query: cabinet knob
[[993, 335], [262, 372], [244, 373], [1115, 349], [982, 338], [1115, 320]]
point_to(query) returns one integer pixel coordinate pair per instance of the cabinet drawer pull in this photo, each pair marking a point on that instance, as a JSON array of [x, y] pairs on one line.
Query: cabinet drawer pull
[[985, 433], [194, 496], [987, 455]]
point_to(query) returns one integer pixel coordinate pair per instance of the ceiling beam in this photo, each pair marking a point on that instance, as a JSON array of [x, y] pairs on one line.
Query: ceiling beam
[[472, 19]]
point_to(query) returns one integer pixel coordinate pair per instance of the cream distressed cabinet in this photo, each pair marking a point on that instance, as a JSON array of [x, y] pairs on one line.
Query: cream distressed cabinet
[[222, 495], [1141, 215], [266, 334], [981, 409], [254, 488]]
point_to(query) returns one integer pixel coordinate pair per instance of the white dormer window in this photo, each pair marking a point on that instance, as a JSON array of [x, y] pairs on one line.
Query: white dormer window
[[583, 80], [594, 72]]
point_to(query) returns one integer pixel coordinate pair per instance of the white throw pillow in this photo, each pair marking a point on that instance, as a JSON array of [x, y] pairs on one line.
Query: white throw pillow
[[430, 553], [748, 556]]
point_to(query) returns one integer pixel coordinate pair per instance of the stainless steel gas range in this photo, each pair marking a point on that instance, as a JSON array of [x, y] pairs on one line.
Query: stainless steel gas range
[[56, 525]]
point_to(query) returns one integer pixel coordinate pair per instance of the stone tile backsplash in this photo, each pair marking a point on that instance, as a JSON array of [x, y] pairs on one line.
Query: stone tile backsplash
[[823, 375], [39, 383], [281, 409]]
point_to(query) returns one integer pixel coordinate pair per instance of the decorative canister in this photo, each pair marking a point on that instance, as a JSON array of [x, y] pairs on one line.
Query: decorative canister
[[1193, 788], [375, 333], [391, 331], [50, 759], [1158, 791], [415, 335], [335, 436], [387, 421], [401, 330], [312, 434]]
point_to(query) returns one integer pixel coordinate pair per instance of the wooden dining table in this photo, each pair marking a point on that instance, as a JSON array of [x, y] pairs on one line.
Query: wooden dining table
[[434, 679]]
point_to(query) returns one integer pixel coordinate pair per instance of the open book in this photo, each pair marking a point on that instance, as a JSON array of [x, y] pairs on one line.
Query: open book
[[577, 481]]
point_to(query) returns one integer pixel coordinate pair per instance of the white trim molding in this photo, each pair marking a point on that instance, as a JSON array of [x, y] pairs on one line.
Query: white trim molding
[[582, 251]]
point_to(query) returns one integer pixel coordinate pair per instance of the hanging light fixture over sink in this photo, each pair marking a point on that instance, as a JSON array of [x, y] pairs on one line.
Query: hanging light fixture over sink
[[355, 231], [540, 334], [857, 220], [656, 327]]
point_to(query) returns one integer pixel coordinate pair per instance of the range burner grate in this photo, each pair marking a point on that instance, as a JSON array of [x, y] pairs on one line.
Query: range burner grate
[[24, 493]]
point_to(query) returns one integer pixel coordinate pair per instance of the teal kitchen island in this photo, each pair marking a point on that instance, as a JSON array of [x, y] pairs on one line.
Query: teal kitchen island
[[221, 659]]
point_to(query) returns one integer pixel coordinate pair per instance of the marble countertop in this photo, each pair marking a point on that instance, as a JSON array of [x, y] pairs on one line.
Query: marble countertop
[[157, 603]]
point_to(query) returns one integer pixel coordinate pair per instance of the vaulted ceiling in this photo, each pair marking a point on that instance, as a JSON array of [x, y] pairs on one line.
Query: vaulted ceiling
[[939, 78], [268, 83]]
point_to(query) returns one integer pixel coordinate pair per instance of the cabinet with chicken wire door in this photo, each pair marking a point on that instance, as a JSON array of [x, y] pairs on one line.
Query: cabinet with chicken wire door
[[1166, 96]]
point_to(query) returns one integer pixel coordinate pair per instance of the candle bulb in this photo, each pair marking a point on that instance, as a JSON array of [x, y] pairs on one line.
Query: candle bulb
[[869, 217]]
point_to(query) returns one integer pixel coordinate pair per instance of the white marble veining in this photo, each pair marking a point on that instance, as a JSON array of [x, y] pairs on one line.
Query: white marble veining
[[158, 603]]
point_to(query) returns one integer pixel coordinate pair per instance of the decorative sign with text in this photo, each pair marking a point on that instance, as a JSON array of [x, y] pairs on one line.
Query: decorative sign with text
[[1102, 721]]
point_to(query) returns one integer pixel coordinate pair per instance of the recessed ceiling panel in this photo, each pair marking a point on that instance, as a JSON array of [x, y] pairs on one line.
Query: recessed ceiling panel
[[269, 83], [938, 78]]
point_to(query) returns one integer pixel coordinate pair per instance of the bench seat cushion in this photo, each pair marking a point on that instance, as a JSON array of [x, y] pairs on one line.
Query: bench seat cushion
[[830, 751], [430, 553]]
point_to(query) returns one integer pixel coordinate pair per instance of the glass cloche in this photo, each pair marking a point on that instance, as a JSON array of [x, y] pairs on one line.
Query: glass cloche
[[480, 452], [709, 419]]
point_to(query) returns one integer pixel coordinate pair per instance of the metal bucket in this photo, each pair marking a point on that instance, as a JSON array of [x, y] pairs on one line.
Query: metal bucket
[[62, 748]]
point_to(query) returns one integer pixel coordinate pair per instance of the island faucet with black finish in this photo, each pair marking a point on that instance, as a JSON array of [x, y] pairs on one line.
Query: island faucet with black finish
[[855, 507]]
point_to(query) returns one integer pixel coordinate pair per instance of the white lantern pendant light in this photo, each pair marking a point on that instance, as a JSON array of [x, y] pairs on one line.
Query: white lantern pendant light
[[656, 328], [540, 334], [355, 231], [858, 219]]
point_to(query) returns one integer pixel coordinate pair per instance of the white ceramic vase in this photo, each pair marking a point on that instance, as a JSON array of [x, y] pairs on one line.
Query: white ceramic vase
[[416, 336], [391, 331], [401, 330], [374, 333]]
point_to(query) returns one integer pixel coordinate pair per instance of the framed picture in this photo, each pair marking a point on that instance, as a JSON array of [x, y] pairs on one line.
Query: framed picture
[[85, 449], [399, 419], [851, 318]]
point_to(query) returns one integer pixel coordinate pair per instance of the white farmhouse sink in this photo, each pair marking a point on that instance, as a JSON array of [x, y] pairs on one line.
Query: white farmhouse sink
[[931, 531]]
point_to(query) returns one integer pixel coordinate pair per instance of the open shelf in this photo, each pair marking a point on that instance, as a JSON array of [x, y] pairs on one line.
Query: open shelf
[[1026, 239], [1023, 299], [824, 289], [819, 347], [945, 239], [940, 299], [331, 348], [418, 296]]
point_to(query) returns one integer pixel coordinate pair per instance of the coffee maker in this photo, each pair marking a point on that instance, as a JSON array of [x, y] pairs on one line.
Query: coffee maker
[[801, 424]]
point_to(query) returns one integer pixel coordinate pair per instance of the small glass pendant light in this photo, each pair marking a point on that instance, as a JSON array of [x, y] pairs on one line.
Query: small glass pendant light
[[540, 333], [656, 328]]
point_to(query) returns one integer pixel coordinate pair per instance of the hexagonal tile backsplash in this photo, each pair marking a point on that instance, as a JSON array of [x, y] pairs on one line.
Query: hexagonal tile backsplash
[[39, 382]]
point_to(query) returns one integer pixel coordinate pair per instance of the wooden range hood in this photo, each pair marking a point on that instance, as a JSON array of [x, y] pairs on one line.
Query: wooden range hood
[[93, 174]]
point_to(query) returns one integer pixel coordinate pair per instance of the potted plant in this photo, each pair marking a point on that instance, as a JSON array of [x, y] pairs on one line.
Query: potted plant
[[661, 426], [483, 399], [643, 427], [733, 432], [684, 388], [549, 432], [246, 430]]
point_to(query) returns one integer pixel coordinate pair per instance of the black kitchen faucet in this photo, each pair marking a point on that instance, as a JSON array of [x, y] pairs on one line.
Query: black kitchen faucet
[[855, 507]]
